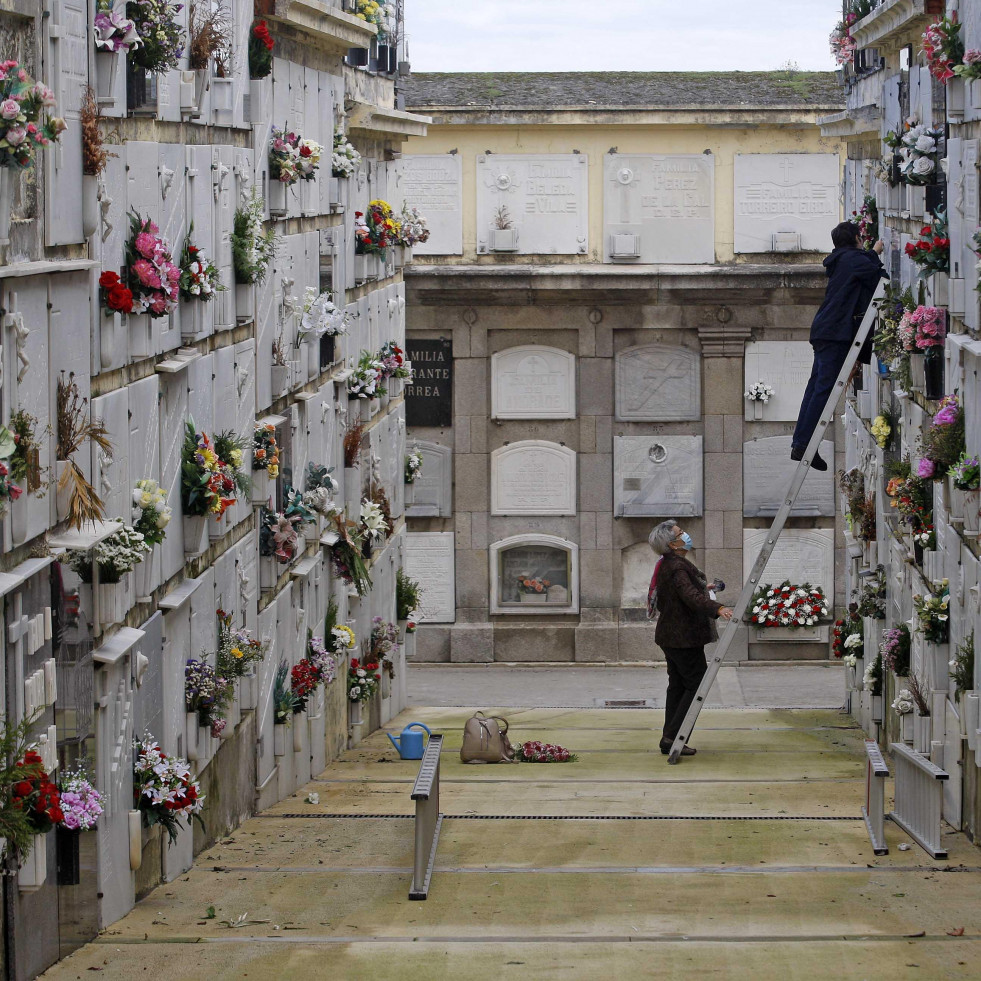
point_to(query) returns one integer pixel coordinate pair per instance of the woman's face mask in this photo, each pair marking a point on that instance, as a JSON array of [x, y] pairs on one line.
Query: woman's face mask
[[686, 541]]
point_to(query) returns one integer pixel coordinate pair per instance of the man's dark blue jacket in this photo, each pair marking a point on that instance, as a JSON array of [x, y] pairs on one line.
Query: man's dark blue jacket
[[853, 275]]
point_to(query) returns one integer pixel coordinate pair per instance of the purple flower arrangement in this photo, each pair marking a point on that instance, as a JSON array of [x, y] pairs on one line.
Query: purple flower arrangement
[[81, 803], [895, 649]]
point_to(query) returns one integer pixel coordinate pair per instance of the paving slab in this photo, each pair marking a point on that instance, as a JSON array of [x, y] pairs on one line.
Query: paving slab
[[499, 905], [715, 846], [421, 960]]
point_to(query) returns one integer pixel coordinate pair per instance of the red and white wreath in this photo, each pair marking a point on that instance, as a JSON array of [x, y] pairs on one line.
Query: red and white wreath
[[788, 605]]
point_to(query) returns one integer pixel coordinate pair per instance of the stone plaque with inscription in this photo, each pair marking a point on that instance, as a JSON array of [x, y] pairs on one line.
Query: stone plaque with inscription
[[429, 558], [783, 365], [539, 201], [658, 382], [429, 396], [768, 472], [786, 201], [667, 202], [430, 495], [533, 477], [432, 183], [533, 382], [801, 555], [657, 476]]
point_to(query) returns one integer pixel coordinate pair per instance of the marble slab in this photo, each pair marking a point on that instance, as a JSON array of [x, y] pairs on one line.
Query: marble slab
[[801, 555], [768, 472], [533, 382], [666, 202], [431, 493], [657, 476], [785, 194], [545, 201], [783, 365], [430, 559], [433, 183], [658, 383], [533, 476]]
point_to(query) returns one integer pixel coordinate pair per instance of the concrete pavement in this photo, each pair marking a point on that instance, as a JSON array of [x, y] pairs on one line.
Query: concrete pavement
[[749, 860]]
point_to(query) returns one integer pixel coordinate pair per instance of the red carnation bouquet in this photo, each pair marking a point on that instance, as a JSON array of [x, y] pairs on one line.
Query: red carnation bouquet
[[788, 605], [304, 677], [260, 50], [932, 251], [535, 751], [36, 794]]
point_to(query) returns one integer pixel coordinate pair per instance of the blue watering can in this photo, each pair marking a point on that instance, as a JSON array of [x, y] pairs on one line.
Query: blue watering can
[[410, 744]]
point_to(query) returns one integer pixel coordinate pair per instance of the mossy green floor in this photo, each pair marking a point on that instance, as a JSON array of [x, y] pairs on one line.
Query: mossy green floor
[[752, 861]]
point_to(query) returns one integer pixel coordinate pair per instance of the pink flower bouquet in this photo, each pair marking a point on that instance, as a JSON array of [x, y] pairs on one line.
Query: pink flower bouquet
[[151, 274]]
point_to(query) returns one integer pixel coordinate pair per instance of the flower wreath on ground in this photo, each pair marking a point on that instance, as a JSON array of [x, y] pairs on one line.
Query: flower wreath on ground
[[788, 605]]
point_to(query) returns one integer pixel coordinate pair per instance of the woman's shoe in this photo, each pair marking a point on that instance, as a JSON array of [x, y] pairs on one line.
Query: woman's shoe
[[666, 744]]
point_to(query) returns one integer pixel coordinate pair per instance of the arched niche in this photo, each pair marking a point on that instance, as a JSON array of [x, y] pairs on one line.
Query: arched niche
[[519, 565]]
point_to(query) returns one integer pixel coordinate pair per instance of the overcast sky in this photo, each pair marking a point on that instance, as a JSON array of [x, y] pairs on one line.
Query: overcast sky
[[622, 35]]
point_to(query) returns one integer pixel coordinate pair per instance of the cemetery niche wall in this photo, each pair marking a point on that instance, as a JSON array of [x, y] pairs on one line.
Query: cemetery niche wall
[[604, 330], [181, 325]]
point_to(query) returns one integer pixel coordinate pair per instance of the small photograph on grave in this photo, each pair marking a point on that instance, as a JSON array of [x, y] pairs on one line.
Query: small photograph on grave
[[534, 575]]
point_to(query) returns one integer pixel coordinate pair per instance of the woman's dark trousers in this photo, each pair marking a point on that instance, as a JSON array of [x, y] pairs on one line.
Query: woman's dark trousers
[[686, 667]]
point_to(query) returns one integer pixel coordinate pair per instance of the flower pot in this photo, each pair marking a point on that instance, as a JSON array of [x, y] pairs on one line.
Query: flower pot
[[877, 709], [140, 335], [244, 302], [386, 398], [395, 387], [143, 577], [327, 354], [62, 490], [279, 739], [262, 485], [906, 728], [191, 734], [277, 198], [34, 868], [8, 182], [195, 534], [222, 94], [106, 67], [298, 727], [193, 322], [365, 409], [360, 268], [504, 240], [218, 526], [939, 289], [934, 373], [351, 488], [917, 370], [956, 96], [534, 598], [112, 602], [333, 192], [972, 499], [280, 379], [956, 499], [922, 733], [90, 205], [247, 695], [67, 841], [269, 570], [355, 715], [883, 367], [757, 410]]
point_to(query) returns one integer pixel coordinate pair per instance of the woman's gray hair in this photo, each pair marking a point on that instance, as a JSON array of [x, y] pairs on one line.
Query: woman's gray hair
[[662, 536]]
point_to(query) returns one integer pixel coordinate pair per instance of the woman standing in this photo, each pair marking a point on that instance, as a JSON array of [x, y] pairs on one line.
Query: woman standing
[[679, 596]]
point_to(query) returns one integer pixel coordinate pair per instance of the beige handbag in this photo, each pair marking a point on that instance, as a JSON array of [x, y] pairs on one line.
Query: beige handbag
[[485, 741]]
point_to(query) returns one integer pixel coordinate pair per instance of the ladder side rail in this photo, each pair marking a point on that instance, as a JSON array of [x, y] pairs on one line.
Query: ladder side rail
[[779, 521], [919, 798]]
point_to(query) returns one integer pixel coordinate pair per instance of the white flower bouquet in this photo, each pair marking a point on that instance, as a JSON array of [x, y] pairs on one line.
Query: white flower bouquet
[[759, 392], [788, 605]]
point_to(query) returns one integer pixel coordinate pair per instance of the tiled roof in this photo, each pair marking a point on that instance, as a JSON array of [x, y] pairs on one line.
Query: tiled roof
[[631, 90]]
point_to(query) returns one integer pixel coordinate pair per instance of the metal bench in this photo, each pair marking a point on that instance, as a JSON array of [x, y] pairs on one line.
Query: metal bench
[[428, 818], [919, 798], [874, 810]]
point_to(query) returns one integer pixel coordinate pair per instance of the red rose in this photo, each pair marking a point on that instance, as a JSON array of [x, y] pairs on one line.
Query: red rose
[[22, 788], [108, 279], [120, 299], [305, 151]]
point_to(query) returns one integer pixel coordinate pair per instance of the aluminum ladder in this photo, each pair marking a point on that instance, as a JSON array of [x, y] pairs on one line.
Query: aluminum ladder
[[750, 586]]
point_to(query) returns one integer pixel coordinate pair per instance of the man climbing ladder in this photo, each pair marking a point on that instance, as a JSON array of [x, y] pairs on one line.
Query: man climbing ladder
[[749, 587]]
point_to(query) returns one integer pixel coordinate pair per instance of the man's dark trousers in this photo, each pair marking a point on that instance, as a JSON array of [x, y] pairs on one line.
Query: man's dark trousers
[[686, 668], [829, 356]]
